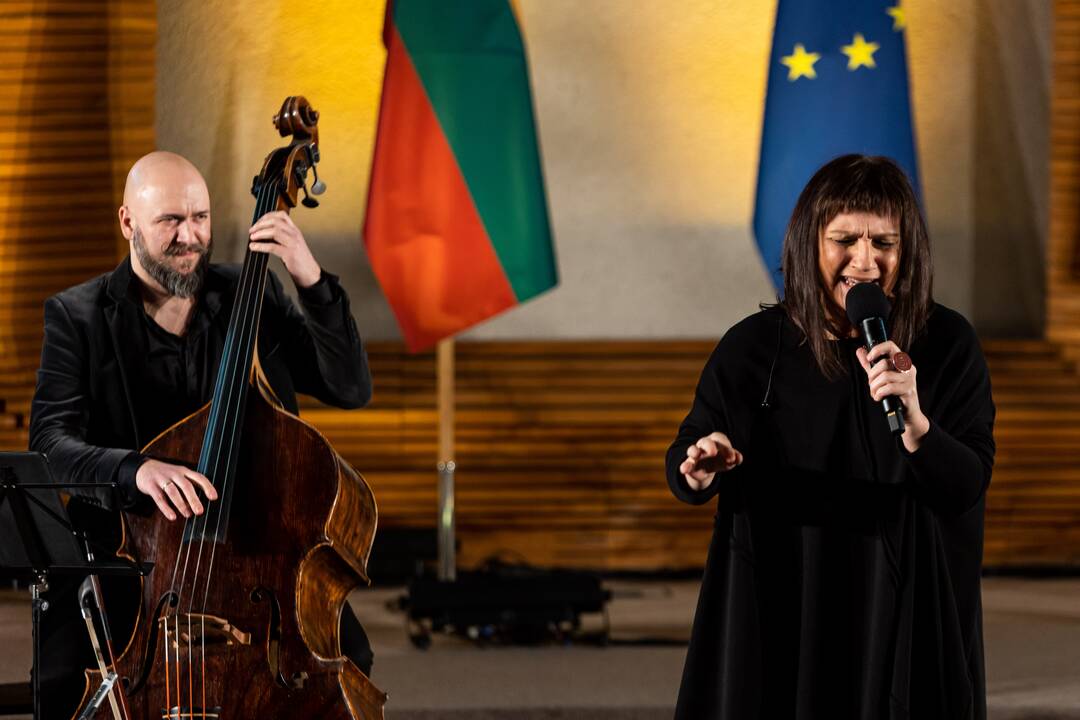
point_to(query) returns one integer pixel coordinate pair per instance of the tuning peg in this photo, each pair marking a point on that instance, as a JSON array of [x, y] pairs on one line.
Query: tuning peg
[[308, 201], [318, 187]]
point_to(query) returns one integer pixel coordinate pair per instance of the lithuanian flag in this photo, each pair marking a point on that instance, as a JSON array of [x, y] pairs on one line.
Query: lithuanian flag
[[456, 227]]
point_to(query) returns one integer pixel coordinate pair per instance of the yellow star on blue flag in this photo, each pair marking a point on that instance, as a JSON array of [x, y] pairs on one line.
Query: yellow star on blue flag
[[860, 53], [899, 17], [800, 63]]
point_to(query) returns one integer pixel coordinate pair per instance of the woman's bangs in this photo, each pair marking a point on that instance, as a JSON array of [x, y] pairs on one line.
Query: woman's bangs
[[865, 195]]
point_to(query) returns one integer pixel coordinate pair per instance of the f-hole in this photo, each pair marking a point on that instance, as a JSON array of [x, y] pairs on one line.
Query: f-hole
[[273, 643], [150, 652]]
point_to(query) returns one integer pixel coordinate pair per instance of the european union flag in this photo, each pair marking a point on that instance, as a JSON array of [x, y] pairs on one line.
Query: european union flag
[[838, 84]]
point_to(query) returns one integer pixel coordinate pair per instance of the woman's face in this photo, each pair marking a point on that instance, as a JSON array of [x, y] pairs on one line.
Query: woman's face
[[858, 247]]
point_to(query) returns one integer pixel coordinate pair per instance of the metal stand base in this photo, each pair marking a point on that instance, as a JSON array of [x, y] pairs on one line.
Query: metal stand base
[[447, 527], [38, 607]]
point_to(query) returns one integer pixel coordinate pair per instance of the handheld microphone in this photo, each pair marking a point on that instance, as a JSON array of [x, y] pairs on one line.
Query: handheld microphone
[[868, 309]]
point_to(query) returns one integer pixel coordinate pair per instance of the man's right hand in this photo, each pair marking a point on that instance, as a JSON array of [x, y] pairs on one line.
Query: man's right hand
[[708, 456], [173, 486]]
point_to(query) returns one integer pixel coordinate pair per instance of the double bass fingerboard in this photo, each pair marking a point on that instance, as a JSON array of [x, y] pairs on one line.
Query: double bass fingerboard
[[221, 443]]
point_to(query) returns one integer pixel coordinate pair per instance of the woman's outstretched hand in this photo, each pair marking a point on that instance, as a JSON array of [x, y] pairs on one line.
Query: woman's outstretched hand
[[708, 456]]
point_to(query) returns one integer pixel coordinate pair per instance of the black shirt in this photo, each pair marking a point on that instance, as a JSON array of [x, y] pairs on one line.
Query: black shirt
[[180, 371], [174, 376]]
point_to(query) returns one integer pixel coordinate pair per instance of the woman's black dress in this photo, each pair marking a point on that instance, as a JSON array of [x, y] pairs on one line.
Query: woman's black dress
[[843, 575]]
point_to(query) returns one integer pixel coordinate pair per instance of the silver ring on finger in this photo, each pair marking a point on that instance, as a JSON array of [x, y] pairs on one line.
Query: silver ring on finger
[[165, 485]]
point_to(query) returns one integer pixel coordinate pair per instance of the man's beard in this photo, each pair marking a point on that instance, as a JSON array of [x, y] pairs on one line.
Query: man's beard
[[176, 283]]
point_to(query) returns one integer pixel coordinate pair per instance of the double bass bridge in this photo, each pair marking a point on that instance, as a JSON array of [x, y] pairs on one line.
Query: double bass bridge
[[202, 630]]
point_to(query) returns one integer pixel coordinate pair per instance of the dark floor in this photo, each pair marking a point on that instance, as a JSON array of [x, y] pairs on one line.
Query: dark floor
[[1032, 650]]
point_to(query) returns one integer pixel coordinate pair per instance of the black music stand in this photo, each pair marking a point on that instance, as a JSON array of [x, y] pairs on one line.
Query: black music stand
[[37, 539]]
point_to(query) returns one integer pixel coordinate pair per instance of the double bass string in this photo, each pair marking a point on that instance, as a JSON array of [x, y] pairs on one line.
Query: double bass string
[[249, 298], [233, 397], [239, 349], [178, 592], [254, 273], [229, 395], [221, 403], [231, 363]]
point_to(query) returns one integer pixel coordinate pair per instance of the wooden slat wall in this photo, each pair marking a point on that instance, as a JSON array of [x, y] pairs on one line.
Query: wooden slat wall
[[1063, 252], [1033, 507], [79, 78], [561, 450]]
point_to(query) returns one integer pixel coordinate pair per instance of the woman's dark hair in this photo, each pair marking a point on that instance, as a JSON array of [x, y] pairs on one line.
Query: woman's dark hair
[[854, 183]]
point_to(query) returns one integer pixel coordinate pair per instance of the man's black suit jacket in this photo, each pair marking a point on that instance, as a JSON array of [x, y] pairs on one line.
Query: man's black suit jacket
[[85, 412]]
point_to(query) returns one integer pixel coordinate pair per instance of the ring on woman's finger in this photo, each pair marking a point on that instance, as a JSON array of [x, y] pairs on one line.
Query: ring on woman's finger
[[900, 361], [165, 485]]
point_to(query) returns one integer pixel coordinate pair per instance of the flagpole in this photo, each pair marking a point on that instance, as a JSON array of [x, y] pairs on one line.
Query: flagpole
[[444, 374]]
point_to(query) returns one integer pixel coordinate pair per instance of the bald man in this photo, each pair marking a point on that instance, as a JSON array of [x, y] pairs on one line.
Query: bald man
[[129, 353]]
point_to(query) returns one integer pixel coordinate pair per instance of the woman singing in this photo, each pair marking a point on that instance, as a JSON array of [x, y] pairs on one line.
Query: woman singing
[[843, 575]]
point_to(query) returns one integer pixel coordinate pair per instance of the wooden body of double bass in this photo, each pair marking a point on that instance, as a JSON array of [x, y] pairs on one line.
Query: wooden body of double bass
[[300, 531]]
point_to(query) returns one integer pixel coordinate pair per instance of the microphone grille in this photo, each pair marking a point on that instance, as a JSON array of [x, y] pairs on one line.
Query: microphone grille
[[866, 300]]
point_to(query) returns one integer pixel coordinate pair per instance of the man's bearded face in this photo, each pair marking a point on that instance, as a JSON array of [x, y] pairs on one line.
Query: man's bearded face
[[168, 267]]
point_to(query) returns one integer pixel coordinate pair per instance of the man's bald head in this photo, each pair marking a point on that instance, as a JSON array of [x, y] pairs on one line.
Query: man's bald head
[[166, 218], [160, 169]]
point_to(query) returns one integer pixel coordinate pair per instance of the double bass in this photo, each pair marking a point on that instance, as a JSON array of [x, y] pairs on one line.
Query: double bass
[[240, 617]]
